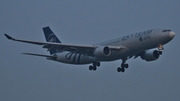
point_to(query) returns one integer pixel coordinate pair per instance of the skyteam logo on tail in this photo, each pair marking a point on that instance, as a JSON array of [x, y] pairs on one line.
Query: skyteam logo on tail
[[52, 38]]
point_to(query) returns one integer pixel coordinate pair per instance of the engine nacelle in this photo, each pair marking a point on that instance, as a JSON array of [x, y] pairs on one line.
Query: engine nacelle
[[102, 51], [151, 55]]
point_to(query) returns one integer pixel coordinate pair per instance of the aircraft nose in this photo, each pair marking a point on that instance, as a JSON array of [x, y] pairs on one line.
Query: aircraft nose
[[172, 34]]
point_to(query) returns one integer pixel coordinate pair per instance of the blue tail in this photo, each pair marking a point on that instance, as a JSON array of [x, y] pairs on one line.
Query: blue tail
[[50, 37]]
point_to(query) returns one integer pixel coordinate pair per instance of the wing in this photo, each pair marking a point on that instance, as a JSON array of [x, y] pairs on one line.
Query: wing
[[86, 49]]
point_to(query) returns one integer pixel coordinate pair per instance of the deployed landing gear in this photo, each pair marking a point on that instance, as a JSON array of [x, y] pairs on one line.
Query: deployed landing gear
[[160, 48], [160, 52], [94, 66], [123, 66], [120, 69]]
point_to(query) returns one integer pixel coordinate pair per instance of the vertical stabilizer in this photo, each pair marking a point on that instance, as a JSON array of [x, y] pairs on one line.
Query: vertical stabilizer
[[51, 37]]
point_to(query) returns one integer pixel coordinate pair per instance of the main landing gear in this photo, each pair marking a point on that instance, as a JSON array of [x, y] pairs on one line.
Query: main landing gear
[[123, 66], [94, 66]]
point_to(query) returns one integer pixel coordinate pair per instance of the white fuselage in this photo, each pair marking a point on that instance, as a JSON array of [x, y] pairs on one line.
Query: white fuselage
[[134, 44]]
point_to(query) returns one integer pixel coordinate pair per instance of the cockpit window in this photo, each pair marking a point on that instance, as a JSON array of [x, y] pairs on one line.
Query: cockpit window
[[166, 30]]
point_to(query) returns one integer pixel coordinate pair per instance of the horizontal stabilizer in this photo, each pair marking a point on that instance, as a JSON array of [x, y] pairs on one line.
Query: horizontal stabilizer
[[48, 56]]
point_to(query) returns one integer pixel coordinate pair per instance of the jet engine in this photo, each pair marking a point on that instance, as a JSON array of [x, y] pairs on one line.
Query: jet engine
[[102, 51], [151, 55]]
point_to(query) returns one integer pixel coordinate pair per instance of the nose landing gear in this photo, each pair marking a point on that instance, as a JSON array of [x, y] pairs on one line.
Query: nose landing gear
[[160, 47]]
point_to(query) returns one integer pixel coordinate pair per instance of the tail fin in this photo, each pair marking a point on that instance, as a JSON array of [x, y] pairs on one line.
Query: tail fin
[[50, 37]]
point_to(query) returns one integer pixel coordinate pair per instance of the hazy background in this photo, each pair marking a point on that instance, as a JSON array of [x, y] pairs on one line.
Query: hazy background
[[28, 78]]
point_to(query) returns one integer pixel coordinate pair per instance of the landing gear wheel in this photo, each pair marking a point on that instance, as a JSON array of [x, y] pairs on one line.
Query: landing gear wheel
[[90, 67], [98, 64], [122, 69], [126, 66], [119, 69], [160, 52], [94, 68], [123, 66]]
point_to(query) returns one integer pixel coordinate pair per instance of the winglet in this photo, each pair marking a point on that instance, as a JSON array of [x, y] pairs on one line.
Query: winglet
[[9, 37]]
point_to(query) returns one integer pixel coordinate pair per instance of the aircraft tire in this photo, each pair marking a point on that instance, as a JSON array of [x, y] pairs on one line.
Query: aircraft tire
[[119, 69], [95, 68], [126, 66], [90, 67], [98, 64], [160, 52], [122, 69]]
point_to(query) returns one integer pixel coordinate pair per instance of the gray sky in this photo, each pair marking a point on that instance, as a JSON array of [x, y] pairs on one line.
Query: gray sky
[[28, 78]]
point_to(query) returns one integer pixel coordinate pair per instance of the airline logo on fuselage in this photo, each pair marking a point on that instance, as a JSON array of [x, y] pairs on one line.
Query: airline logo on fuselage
[[141, 35]]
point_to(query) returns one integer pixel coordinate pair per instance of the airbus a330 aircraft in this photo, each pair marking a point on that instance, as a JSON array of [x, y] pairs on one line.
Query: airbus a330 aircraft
[[146, 44]]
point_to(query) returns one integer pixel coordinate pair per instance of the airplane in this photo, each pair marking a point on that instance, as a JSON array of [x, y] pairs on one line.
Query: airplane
[[148, 45]]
